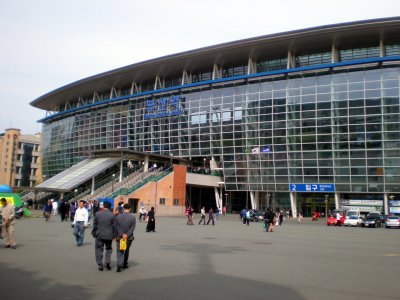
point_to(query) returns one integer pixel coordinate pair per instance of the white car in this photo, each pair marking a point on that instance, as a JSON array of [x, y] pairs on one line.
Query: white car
[[353, 221], [393, 221]]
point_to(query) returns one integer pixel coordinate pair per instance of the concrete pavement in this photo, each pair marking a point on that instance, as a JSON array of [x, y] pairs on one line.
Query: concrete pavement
[[225, 261]]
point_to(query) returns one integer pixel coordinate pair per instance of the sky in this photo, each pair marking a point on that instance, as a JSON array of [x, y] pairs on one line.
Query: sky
[[46, 44]]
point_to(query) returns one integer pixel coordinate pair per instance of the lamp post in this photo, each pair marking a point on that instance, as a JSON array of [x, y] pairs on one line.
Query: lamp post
[[326, 207], [226, 201], [112, 184]]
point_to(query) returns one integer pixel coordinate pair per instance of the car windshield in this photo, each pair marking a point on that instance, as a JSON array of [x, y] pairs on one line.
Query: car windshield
[[393, 218], [351, 213], [353, 217]]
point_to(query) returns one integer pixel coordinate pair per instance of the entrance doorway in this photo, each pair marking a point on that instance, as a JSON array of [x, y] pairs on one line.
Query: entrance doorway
[[134, 203], [198, 197], [309, 203]]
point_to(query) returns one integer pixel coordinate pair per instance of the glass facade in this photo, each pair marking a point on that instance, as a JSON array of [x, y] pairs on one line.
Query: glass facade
[[340, 127]]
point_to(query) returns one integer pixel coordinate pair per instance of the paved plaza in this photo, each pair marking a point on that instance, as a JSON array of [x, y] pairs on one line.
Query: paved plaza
[[225, 261]]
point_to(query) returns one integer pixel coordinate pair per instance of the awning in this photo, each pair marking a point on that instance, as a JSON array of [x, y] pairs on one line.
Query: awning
[[78, 174]]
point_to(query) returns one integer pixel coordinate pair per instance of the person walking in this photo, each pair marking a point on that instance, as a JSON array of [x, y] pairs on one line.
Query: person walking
[[103, 232], [81, 221], [300, 217], [266, 219], [72, 211], [243, 216], [203, 216], [217, 211], [47, 210], [248, 217], [96, 207], [190, 216], [8, 221], [125, 226], [55, 207], [63, 210], [120, 207], [151, 221], [271, 220], [280, 218], [210, 216], [338, 217], [224, 210], [142, 214], [67, 206]]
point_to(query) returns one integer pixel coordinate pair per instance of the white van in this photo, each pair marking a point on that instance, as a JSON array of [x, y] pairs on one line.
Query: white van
[[354, 217]]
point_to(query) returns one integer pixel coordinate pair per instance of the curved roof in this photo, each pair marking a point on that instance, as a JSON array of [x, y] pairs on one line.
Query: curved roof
[[317, 38]]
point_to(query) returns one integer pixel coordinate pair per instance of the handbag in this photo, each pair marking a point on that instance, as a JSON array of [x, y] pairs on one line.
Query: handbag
[[122, 244]]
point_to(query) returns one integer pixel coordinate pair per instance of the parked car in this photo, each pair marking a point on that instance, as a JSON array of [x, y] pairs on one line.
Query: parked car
[[332, 220], [256, 215], [392, 222], [372, 220], [353, 221]]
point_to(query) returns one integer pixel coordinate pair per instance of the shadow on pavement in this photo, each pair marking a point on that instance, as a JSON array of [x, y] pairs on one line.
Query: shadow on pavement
[[205, 283], [203, 286], [21, 284]]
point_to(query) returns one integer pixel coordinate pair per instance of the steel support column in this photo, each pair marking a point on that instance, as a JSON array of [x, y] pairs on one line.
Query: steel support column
[[293, 204]]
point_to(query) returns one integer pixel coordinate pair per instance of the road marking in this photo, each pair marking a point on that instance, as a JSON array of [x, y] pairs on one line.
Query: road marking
[[391, 254]]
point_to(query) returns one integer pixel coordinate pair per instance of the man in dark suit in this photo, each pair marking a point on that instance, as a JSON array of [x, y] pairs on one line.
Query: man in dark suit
[[125, 225], [103, 231]]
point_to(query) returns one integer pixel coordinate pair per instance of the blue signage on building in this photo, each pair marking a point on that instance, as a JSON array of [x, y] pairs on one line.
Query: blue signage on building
[[311, 187], [162, 107]]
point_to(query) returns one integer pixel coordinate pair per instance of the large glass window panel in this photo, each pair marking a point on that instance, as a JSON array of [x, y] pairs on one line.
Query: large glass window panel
[[393, 179], [310, 179], [391, 135], [343, 187]]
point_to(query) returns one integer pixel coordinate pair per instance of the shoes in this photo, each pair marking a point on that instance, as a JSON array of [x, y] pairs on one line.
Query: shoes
[[101, 268], [108, 267], [13, 247], [125, 267], [119, 269], [7, 246]]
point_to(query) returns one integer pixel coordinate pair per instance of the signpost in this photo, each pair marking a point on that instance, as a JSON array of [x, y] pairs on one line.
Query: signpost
[[311, 188]]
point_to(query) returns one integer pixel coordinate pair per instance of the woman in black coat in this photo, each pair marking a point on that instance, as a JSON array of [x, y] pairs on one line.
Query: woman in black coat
[[151, 223]]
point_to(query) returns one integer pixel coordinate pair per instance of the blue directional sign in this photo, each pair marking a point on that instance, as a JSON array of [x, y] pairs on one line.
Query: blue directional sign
[[162, 107], [311, 188]]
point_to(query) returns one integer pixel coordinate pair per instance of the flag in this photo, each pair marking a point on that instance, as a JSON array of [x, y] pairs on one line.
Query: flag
[[255, 150]]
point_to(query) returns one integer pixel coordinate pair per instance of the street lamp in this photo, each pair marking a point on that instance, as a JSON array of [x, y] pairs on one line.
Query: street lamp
[[326, 207], [76, 193], [112, 183]]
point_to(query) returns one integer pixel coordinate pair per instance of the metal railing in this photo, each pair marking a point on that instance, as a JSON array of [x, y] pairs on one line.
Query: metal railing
[[152, 177]]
